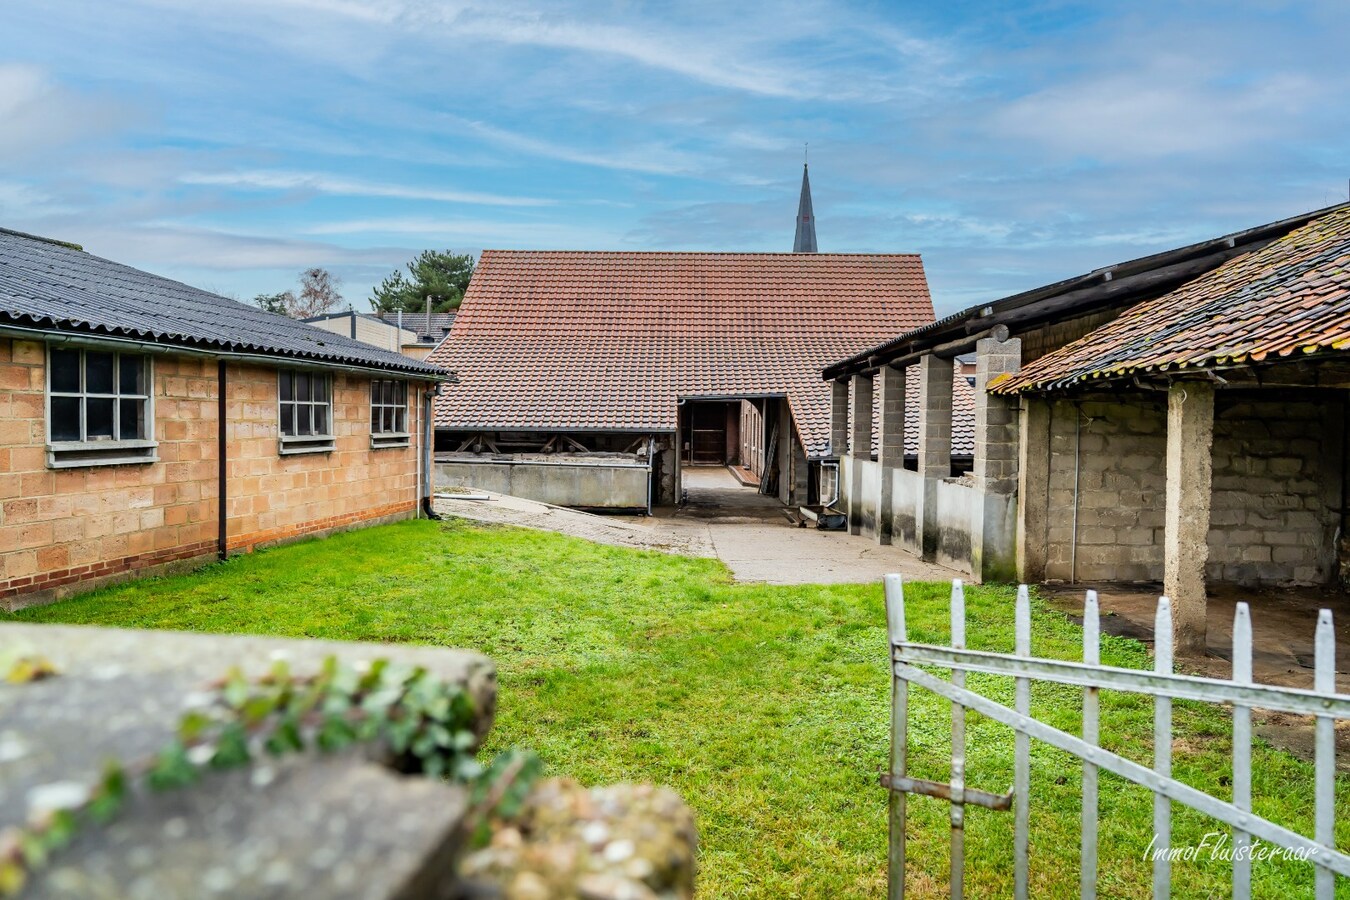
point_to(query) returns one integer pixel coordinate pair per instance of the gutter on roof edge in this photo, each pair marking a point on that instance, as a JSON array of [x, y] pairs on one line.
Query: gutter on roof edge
[[1168, 371], [71, 337]]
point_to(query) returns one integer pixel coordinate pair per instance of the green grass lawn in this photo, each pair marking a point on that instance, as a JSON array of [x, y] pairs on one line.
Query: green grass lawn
[[767, 707]]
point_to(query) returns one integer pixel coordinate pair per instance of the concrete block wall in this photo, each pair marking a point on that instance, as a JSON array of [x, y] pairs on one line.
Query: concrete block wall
[[1276, 488], [995, 417], [1121, 489], [63, 527], [274, 498], [68, 530]]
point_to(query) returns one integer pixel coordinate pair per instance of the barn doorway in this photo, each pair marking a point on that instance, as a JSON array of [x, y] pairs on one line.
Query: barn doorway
[[712, 430]]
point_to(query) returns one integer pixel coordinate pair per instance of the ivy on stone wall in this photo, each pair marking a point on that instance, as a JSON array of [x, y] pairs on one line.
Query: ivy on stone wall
[[421, 724]]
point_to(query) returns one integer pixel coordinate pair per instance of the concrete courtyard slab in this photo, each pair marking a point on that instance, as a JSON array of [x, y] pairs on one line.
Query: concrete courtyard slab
[[755, 541]]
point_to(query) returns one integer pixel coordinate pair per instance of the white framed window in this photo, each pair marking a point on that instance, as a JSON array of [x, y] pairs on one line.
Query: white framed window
[[100, 408], [389, 413], [305, 411]]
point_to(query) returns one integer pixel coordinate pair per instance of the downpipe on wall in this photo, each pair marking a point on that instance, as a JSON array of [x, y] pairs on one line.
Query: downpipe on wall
[[428, 456], [827, 504], [1077, 471], [222, 464]]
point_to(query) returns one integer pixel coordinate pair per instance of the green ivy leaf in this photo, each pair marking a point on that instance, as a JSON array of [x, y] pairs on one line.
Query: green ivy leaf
[[236, 689], [231, 747], [59, 830], [335, 733], [34, 849], [400, 734], [192, 726], [466, 768], [172, 768], [109, 794], [257, 707], [373, 676], [285, 738]]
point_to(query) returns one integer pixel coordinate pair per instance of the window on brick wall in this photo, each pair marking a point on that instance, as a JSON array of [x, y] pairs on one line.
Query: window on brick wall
[[100, 410], [305, 410], [389, 413]]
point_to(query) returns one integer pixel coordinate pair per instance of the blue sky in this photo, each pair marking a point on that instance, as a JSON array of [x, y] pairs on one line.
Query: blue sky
[[231, 144]]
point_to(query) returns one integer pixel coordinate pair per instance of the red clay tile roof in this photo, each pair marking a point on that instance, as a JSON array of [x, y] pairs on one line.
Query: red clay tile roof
[[1291, 296], [604, 341]]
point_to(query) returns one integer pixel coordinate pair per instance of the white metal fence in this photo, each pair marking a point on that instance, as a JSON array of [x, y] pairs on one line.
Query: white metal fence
[[1164, 685]]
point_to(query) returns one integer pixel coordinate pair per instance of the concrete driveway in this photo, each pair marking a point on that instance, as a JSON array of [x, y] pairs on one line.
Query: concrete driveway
[[723, 520]]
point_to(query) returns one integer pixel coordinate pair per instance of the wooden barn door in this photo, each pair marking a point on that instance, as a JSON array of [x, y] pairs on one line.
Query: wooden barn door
[[707, 434]]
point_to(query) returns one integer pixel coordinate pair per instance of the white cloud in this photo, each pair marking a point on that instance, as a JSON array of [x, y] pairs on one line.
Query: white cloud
[[748, 49], [650, 157], [164, 247], [689, 54], [277, 180], [1166, 106], [18, 200], [475, 232], [38, 116]]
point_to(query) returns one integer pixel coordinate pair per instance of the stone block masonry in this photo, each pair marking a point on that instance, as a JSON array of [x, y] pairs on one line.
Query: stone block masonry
[[72, 529], [1106, 489], [1275, 489], [1277, 479]]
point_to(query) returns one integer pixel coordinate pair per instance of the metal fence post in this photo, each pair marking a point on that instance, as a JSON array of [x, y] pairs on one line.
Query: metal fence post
[[1242, 752], [1162, 754], [1092, 644], [895, 630], [1021, 749], [958, 858], [1324, 754]]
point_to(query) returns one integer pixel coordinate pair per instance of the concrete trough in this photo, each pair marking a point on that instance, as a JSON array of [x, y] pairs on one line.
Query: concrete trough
[[583, 481]]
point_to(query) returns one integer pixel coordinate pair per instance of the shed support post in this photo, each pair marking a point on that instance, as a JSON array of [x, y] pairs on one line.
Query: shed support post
[[1190, 438], [860, 446], [1033, 490], [890, 445], [838, 418], [996, 445], [935, 442], [994, 543]]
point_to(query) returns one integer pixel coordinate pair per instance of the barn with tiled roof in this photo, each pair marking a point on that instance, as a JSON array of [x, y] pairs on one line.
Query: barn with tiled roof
[[676, 358]]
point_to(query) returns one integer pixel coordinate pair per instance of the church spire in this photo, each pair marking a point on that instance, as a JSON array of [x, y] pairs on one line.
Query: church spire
[[805, 241]]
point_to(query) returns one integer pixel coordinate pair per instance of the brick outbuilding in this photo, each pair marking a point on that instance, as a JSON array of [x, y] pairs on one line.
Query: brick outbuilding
[[146, 425]]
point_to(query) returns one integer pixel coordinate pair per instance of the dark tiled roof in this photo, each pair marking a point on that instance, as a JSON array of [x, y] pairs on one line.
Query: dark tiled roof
[[49, 285], [552, 341], [1290, 297], [440, 322]]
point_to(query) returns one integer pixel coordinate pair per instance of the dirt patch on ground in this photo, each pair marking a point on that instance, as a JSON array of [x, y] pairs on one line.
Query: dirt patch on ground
[[1283, 623]]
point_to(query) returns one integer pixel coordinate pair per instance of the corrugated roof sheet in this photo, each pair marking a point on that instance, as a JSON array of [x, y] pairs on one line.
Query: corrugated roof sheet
[[1291, 297], [50, 285], [611, 341]]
